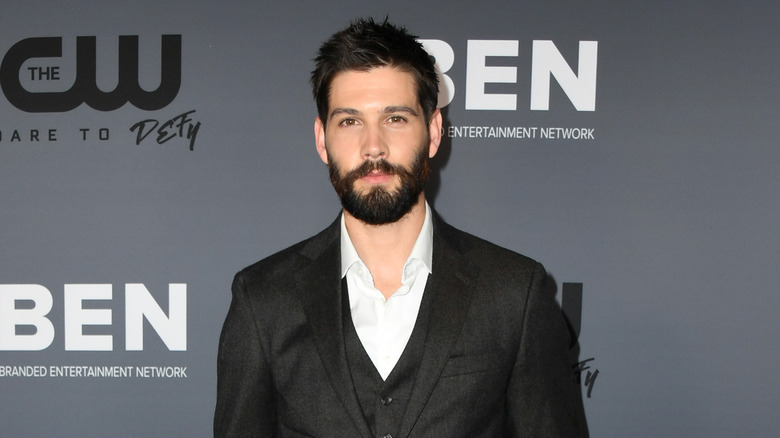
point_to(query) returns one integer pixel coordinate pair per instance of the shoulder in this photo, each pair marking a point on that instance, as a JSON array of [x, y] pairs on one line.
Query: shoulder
[[282, 266], [482, 253]]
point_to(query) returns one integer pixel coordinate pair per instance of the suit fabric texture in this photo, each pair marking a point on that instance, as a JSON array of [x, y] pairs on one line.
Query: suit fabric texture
[[494, 360]]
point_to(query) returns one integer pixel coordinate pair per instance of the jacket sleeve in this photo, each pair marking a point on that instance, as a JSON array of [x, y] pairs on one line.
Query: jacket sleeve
[[542, 396], [245, 398]]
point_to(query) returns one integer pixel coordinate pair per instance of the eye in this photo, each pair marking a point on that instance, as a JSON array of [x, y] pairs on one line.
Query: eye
[[396, 119], [348, 122]]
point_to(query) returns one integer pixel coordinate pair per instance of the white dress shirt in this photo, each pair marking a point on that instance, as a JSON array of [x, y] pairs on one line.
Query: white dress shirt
[[385, 326]]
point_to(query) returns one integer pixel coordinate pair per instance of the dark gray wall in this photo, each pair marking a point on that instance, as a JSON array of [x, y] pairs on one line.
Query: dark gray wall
[[668, 217]]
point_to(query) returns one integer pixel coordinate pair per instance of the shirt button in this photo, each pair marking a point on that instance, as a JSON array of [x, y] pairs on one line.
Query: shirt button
[[386, 400]]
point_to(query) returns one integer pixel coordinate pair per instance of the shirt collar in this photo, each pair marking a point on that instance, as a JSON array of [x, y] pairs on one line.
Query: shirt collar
[[422, 250]]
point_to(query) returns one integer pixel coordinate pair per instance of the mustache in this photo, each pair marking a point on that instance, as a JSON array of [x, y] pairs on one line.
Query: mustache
[[370, 166]]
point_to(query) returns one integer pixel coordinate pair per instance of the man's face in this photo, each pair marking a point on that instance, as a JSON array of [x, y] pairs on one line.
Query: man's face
[[376, 143]]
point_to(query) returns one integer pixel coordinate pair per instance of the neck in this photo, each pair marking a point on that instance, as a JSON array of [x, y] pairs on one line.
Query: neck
[[385, 248]]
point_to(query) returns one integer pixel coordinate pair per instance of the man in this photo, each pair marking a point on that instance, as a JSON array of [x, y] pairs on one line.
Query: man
[[391, 323]]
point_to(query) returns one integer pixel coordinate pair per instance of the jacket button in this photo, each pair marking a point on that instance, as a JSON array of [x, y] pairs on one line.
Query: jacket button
[[386, 401], [387, 436]]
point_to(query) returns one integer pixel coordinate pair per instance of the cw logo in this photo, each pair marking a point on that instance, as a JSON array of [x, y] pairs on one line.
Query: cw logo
[[85, 89]]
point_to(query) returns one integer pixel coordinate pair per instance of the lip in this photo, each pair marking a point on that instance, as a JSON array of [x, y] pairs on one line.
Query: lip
[[376, 178]]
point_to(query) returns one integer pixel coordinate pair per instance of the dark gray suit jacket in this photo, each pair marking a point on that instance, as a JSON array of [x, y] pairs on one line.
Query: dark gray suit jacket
[[495, 363]]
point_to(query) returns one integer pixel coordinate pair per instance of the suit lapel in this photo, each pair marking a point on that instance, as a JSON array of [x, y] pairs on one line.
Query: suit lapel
[[449, 289], [319, 288]]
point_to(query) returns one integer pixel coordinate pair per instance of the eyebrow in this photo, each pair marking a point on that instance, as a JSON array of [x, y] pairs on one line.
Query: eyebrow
[[385, 110], [400, 109], [340, 111]]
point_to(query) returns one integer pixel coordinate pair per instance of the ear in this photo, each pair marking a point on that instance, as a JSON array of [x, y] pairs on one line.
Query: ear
[[434, 131], [319, 140]]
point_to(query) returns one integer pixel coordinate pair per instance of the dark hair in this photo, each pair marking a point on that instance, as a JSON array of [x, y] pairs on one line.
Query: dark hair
[[365, 45]]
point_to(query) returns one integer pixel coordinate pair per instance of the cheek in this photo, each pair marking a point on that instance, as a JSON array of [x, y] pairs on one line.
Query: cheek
[[341, 150], [343, 139], [405, 148]]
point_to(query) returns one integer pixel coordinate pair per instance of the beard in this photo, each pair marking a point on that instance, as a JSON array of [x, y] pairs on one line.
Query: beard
[[380, 205]]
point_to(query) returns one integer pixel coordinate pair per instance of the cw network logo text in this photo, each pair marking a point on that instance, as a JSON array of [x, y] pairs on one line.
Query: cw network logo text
[[31, 59]]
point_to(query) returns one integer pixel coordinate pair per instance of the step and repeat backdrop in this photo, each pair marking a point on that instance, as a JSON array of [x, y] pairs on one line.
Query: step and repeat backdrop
[[149, 150]]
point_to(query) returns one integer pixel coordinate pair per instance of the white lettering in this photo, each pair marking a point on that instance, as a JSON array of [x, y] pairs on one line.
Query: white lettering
[[25, 326], [445, 59], [478, 74], [11, 317], [169, 372], [172, 329], [567, 133], [76, 317], [580, 88], [23, 371]]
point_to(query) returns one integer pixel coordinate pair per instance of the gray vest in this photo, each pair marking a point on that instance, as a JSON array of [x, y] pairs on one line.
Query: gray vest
[[384, 401]]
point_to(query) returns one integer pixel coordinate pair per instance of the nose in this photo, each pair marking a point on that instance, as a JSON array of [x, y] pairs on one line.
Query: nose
[[374, 145]]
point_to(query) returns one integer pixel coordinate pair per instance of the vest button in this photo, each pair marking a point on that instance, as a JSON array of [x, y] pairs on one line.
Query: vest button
[[386, 401], [387, 436]]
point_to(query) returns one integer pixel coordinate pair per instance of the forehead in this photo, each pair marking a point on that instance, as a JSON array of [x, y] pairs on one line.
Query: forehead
[[389, 85]]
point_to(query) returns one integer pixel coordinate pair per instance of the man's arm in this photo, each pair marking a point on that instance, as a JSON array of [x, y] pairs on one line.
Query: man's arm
[[542, 398], [245, 399]]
